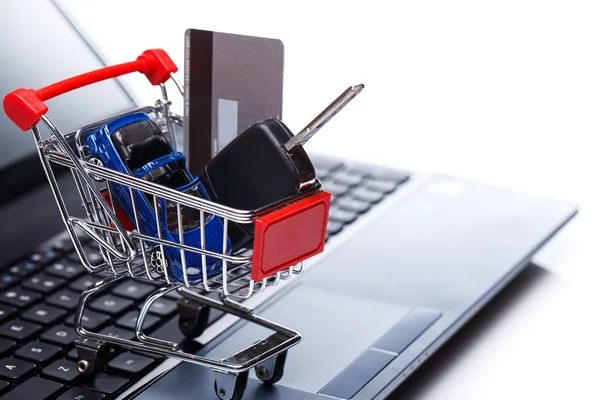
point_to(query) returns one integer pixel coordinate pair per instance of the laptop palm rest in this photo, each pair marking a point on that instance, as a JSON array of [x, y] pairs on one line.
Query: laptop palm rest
[[346, 341]]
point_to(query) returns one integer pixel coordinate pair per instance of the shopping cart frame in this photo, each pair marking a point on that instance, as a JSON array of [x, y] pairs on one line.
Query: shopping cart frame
[[125, 252]]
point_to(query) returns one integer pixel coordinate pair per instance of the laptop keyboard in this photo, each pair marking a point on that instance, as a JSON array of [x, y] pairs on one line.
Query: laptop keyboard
[[354, 189], [38, 297]]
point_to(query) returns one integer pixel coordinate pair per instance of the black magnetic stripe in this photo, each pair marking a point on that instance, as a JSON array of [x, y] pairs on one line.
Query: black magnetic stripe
[[198, 98]]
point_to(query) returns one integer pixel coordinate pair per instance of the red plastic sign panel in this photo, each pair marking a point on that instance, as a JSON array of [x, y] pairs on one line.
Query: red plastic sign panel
[[290, 235]]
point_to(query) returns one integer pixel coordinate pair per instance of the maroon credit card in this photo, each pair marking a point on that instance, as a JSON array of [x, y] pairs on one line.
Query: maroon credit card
[[231, 82]]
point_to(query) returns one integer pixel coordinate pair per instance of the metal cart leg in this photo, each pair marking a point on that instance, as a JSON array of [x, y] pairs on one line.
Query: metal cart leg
[[229, 386], [271, 371], [193, 318], [92, 355]]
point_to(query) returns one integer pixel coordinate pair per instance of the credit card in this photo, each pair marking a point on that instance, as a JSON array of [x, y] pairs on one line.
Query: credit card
[[231, 82]]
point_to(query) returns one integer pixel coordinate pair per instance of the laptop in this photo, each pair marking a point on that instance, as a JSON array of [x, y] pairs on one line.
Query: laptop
[[409, 259]]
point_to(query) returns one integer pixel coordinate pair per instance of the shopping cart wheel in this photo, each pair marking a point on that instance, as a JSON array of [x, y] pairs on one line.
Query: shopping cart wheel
[[97, 161], [271, 370], [193, 318], [229, 386], [92, 356]]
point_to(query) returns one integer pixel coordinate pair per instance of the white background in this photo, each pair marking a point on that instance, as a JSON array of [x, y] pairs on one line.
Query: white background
[[506, 92]]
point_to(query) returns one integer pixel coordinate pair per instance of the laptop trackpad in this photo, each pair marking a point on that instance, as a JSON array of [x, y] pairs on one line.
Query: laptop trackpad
[[339, 332]]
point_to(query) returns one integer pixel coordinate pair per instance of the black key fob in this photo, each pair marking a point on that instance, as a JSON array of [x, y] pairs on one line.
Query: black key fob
[[264, 165], [254, 171]]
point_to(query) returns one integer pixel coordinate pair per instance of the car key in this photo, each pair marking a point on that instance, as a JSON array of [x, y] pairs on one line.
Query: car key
[[265, 164]]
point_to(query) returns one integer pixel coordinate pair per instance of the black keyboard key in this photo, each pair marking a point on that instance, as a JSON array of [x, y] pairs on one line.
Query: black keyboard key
[[6, 312], [380, 186], [43, 314], [353, 171], [73, 354], [84, 282], [61, 335], [170, 331], [77, 393], [25, 268], [346, 179], [333, 228], [379, 173], [92, 246], [398, 177], [116, 332], [156, 284], [148, 354], [163, 307], [93, 256], [83, 237], [213, 315], [3, 385], [111, 304], [64, 245], [363, 194], [5, 345], [45, 257], [108, 384], [354, 205], [173, 294], [19, 330], [343, 216], [129, 320], [38, 352], [391, 176], [19, 298], [65, 269], [13, 368], [7, 280], [65, 298], [130, 364], [91, 320], [62, 370], [34, 389], [134, 290], [335, 189], [321, 173], [325, 163], [43, 283]]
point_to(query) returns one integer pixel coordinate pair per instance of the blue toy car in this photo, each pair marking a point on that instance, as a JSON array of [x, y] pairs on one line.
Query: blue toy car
[[135, 145]]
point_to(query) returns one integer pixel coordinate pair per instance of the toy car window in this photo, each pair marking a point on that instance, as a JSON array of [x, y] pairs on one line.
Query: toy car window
[[190, 217], [139, 143], [172, 175]]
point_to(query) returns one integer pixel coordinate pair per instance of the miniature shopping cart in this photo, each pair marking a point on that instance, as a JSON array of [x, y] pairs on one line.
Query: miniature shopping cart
[[129, 253]]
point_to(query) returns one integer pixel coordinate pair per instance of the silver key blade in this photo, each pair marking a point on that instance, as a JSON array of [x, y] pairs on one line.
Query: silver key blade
[[326, 115]]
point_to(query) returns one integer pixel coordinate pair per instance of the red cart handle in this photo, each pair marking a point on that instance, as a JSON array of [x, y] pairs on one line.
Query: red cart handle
[[25, 107]]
